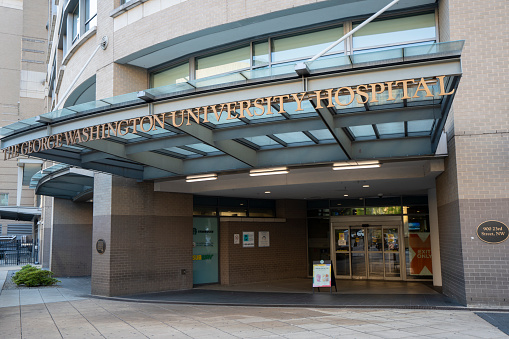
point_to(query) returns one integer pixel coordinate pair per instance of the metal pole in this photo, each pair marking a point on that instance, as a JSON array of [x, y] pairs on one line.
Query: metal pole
[[367, 21]]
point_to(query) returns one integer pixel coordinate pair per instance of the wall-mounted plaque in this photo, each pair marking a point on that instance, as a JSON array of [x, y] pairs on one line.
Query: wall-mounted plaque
[[492, 232], [100, 246]]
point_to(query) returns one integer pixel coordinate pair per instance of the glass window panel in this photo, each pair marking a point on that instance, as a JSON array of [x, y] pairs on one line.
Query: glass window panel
[[204, 148], [171, 76], [341, 239], [357, 239], [90, 14], [391, 128], [129, 136], [322, 134], [347, 211], [232, 211], [389, 210], [362, 131], [420, 125], [256, 110], [75, 23], [223, 62], [4, 199], [262, 140], [204, 210], [394, 31], [293, 137], [261, 53], [180, 151], [343, 264], [306, 45]]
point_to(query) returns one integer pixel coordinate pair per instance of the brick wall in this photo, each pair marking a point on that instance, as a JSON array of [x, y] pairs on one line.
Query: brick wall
[[71, 249], [148, 238], [475, 186], [285, 258]]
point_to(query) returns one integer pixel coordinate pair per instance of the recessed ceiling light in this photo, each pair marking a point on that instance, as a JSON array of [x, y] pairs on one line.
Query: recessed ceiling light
[[345, 195], [267, 192], [365, 186]]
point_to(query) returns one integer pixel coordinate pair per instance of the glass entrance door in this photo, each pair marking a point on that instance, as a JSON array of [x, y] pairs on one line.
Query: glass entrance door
[[367, 252]]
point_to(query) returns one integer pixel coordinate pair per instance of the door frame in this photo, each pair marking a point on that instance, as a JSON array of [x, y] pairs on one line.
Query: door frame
[[377, 221]]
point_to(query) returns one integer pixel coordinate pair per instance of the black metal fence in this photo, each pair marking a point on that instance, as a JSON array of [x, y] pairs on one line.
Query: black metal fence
[[18, 252]]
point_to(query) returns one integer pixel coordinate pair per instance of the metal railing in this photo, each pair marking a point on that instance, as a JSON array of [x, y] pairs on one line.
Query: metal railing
[[18, 252]]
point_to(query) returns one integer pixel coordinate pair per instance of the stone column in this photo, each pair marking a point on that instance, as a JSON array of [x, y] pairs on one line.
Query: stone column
[[148, 238], [71, 247]]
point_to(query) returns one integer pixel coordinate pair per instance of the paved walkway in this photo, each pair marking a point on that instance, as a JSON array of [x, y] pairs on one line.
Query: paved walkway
[[93, 318], [68, 311]]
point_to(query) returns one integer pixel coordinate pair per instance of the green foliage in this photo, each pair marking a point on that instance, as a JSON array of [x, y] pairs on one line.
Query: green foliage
[[32, 276]]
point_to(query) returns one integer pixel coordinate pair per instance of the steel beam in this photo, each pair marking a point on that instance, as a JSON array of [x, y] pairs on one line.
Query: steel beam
[[234, 149], [339, 135], [146, 158]]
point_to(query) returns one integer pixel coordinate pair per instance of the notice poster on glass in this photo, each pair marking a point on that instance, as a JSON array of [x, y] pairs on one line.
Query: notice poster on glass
[[341, 239], [248, 239], [322, 275], [420, 254], [263, 239]]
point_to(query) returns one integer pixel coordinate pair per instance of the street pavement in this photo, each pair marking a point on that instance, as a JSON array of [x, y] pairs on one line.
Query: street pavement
[[68, 311]]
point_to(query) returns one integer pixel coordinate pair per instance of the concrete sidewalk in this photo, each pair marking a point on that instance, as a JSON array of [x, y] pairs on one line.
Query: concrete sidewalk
[[68, 311], [90, 318]]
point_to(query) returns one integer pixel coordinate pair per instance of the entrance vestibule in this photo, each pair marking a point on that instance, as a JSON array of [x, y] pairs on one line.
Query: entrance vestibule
[[365, 248]]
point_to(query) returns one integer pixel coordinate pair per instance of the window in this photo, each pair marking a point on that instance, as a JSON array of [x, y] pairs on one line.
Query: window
[[225, 62], [90, 14], [171, 76], [80, 16], [281, 50], [390, 32], [75, 14], [306, 45], [4, 199]]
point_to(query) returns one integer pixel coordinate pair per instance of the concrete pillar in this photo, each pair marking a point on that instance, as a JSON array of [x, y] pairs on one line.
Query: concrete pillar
[[434, 237], [71, 246], [148, 237], [45, 232]]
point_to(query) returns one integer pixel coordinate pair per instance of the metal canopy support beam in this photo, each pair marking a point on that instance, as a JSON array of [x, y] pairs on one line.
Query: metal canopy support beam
[[446, 106], [339, 135], [374, 117], [391, 148], [238, 151], [159, 143], [146, 158]]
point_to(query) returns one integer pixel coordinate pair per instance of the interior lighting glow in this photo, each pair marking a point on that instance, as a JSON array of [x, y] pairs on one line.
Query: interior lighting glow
[[269, 171], [365, 186], [267, 192], [355, 165], [201, 177]]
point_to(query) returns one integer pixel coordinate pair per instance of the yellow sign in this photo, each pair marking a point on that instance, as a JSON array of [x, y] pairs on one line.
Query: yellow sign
[[246, 108]]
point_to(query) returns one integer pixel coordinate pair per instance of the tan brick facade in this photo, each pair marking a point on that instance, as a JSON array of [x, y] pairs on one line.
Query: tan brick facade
[[148, 238], [475, 185], [71, 250], [285, 258]]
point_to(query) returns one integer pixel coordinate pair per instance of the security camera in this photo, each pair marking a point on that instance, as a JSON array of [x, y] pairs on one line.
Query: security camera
[[380, 195]]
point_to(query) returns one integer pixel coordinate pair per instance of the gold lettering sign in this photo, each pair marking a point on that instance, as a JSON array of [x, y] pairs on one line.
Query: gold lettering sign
[[331, 97]]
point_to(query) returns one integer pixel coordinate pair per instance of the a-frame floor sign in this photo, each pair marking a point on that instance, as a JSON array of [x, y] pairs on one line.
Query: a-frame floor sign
[[323, 275]]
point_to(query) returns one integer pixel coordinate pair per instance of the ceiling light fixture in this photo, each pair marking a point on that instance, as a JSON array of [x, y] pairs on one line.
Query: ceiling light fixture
[[269, 171], [345, 195], [267, 192], [355, 165], [365, 186], [201, 177]]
